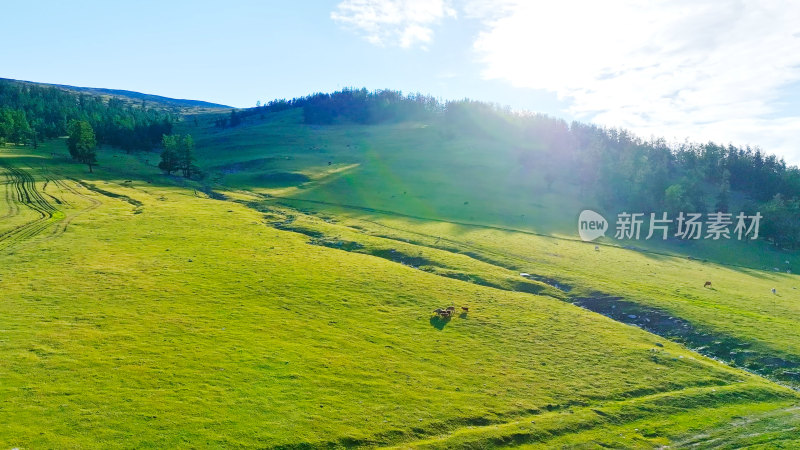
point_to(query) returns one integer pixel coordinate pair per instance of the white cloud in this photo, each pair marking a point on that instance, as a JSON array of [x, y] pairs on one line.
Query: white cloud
[[406, 23], [680, 69], [703, 70], [487, 9]]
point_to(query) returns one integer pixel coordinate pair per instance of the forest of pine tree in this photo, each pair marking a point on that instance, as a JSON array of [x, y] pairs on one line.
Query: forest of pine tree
[[30, 113]]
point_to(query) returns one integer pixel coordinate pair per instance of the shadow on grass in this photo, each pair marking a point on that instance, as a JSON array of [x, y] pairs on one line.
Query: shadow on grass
[[439, 322]]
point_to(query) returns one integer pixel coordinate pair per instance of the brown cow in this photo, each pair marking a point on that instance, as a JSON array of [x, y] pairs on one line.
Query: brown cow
[[708, 284]]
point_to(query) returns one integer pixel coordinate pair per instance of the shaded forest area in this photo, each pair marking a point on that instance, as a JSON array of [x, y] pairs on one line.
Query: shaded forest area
[[30, 113]]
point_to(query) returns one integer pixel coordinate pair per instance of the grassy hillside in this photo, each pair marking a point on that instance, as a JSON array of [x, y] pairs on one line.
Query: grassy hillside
[[470, 197], [132, 96], [421, 170], [409, 168], [138, 312], [737, 320]]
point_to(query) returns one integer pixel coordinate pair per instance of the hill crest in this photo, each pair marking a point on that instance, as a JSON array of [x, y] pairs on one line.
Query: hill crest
[[131, 95]]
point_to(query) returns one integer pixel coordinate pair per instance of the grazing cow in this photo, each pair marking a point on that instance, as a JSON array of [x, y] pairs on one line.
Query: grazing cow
[[438, 311], [774, 291], [450, 309], [708, 284], [597, 248], [465, 308]]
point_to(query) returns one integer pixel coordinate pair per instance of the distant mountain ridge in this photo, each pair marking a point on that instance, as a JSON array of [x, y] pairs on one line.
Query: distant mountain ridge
[[132, 95]]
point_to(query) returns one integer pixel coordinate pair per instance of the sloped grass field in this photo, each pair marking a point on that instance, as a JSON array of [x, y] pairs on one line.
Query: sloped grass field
[[160, 317], [473, 197], [739, 307], [411, 168], [424, 171], [37, 207]]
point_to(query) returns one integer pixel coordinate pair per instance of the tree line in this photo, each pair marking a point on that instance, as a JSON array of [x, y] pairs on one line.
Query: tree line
[[346, 106], [30, 113], [624, 172], [177, 154]]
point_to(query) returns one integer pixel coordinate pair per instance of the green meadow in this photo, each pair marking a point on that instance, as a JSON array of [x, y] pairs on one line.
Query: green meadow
[[468, 198], [285, 302]]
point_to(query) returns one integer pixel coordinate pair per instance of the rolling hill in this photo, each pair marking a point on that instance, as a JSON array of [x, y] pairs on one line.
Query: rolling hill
[[130, 96], [470, 196], [285, 301]]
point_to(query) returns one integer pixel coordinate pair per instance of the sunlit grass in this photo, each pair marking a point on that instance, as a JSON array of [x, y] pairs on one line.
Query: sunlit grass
[[188, 321]]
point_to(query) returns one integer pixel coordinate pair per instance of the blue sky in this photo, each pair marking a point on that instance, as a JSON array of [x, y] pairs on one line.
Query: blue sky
[[701, 70], [235, 52]]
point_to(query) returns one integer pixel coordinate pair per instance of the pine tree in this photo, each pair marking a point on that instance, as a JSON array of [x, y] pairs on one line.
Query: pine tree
[[187, 155], [178, 155], [236, 119], [82, 143], [169, 156], [724, 197]]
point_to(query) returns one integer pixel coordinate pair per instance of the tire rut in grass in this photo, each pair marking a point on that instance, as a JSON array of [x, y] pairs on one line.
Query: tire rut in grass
[[22, 190], [420, 262], [475, 252], [8, 190], [542, 425], [730, 350], [138, 207], [529, 283], [93, 204]]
